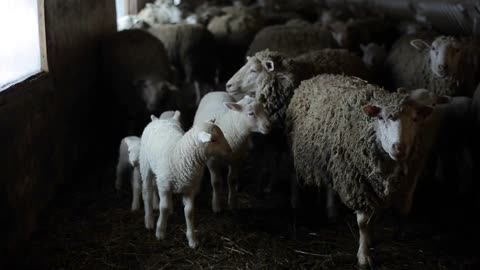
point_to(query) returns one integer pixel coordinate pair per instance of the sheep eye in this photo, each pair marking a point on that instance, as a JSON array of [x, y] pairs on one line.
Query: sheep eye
[[250, 113], [213, 140], [253, 70], [380, 117]]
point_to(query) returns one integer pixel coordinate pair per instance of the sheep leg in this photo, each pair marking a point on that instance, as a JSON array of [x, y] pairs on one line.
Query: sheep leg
[[147, 189], [232, 183], [216, 181], [155, 199], [364, 240], [188, 202], [136, 189], [165, 207], [331, 205], [294, 203], [121, 172]]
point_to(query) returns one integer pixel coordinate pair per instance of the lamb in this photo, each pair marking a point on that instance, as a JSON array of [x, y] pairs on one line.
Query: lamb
[[444, 65], [137, 70], [189, 49], [272, 77], [177, 160], [161, 12], [237, 121], [360, 140], [292, 40], [128, 166]]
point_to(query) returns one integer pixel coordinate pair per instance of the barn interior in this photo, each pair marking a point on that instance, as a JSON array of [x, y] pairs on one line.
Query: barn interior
[[61, 124]]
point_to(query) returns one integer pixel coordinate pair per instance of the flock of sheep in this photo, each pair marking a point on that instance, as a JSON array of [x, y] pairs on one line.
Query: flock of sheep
[[361, 106]]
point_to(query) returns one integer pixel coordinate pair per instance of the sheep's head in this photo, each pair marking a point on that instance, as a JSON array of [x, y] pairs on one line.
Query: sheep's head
[[253, 113], [211, 138], [374, 55], [155, 92], [257, 72], [444, 54], [133, 146], [339, 33], [396, 126]]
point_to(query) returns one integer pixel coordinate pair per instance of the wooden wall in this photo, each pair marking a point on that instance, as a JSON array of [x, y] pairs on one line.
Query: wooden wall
[[49, 125]]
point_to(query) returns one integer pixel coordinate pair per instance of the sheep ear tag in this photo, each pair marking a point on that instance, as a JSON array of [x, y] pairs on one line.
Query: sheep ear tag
[[204, 137], [269, 66]]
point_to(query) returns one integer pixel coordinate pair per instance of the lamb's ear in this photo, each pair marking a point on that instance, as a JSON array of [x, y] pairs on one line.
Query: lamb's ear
[[269, 65], [153, 117], [204, 137], [233, 106], [371, 110], [176, 115], [402, 90], [420, 44], [424, 111]]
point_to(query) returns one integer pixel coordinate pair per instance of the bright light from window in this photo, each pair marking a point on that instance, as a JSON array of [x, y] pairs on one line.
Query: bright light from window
[[20, 54], [120, 6]]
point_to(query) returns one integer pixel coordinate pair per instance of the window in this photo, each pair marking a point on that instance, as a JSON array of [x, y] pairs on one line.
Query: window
[[22, 45]]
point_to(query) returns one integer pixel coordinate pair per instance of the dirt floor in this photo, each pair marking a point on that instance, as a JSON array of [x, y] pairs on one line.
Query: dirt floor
[[92, 228]]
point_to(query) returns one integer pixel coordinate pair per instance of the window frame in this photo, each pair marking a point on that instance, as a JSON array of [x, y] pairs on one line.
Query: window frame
[[41, 75]]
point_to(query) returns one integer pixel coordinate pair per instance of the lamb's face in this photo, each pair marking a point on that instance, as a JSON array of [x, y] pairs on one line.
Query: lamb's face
[[253, 112], [250, 78], [396, 128], [444, 56], [373, 54], [212, 139], [154, 92]]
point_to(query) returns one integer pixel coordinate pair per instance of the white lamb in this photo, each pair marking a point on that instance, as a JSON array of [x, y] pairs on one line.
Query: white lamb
[[237, 120], [128, 162], [177, 160]]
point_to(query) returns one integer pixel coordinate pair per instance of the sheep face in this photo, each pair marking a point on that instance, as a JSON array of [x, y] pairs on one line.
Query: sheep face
[[253, 113], [147, 14], [373, 54], [444, 55], [396, 128], [154, 92], [212, 139], [252, 76]]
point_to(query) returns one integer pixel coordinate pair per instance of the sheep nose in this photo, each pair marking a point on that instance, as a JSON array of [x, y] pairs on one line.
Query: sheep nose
[[399, 148], [229, 85]]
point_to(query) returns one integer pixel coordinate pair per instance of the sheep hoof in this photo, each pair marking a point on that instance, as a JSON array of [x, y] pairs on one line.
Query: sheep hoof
[[365, 262], [192, 243], [149, 223], [216, 208], [160, 235]]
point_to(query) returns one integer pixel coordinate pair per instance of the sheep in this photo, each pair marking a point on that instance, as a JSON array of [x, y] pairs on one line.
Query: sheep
[[237, 121], [272, 77], [137, 70], [351, 34], [128, 166], [189, 49], [444, 65], [177, 160], [233, 32], [161, 12], [374, 56], [292, 40], [360, 140]]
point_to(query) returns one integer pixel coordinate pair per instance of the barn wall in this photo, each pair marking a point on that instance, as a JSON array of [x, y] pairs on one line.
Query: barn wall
[[47, 123]]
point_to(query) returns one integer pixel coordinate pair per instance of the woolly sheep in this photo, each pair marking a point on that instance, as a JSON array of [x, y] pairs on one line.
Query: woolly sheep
[[161, 12], [177, 160], [359, 140], [292, 40], [137, 70], [128, 165], [237, 121], [444, 65], [374, 56], [272, 77]]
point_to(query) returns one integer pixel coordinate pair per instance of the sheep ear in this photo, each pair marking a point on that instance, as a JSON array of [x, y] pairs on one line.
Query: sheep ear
[[176, 115], [269, 66], [371, 110], [233, 106], [420, 44], [204, 137], [153, 117]]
